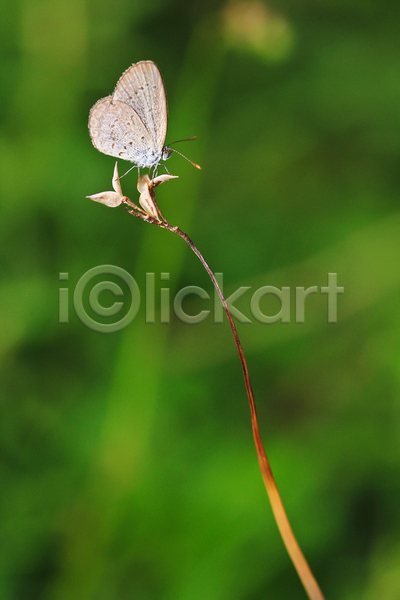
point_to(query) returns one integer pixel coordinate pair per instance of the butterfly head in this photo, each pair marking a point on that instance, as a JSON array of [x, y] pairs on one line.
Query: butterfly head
[[166, 153]]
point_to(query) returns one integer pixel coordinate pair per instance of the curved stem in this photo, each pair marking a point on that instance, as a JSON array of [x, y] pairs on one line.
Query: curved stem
[[307, 578]]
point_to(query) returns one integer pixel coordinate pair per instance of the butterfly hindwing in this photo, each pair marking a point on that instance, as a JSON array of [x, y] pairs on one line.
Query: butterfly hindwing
[[117, 130]]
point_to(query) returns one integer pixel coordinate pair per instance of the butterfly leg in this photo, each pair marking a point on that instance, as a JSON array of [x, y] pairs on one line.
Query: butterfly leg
[[129, 170], [165, 167]]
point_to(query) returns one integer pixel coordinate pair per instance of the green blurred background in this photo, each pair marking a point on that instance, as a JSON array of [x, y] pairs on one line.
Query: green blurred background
[[128, 467]]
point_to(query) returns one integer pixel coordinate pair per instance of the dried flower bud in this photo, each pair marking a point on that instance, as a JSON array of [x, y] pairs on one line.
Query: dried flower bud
[[112, 199], [147, 199], [161, 178]]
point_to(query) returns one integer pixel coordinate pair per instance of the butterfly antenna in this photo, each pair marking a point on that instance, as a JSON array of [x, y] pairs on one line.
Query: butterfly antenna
[[180, 153], [186, 140]]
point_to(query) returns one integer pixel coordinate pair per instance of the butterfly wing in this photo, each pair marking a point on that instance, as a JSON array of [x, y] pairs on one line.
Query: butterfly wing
[[142, 88], [117, 130]]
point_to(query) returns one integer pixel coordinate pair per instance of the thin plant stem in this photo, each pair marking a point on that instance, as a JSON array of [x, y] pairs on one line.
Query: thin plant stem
[[307, 578], [304, 572]]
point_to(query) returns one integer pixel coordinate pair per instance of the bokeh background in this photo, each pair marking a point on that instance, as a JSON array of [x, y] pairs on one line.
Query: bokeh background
[[128, 467]]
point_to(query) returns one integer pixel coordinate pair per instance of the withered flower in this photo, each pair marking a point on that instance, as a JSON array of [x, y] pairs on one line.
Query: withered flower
[[147, 199], [114, 198]]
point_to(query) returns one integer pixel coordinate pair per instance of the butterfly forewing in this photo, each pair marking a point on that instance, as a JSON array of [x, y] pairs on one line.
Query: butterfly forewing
[[142, 88]]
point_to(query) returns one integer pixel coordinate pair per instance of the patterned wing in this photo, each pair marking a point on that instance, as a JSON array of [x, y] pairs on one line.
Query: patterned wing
[[142, 88], [118, 131]]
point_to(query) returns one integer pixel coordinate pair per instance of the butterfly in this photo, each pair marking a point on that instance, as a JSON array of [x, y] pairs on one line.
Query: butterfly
[[132, 123]]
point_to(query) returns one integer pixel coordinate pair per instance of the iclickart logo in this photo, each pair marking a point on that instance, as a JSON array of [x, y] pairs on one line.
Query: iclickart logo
[[110, 316]]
